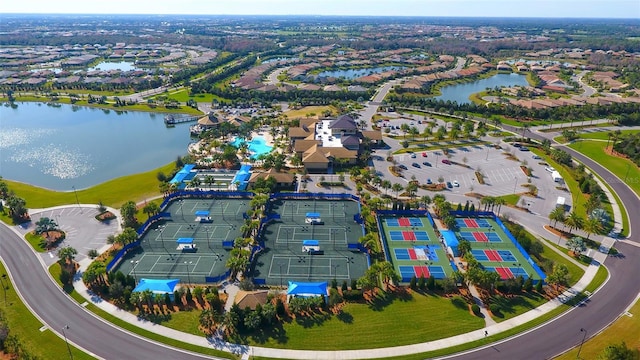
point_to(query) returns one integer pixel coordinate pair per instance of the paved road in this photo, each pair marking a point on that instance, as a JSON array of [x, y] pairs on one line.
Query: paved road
[[53, 307], [602, 308]]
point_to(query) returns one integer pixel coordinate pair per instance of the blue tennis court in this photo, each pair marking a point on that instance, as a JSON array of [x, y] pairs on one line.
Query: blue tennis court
[[396, 235], [483, 222], [409, 271], [421, 235], [416, 253], [493, 237], [479, 254], [506, 255], [392, 222]]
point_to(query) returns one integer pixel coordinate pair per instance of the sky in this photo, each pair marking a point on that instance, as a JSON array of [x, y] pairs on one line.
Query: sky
[[465, 8]]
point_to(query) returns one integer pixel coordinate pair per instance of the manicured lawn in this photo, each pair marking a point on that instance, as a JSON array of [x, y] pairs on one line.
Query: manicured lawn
[[302, 112], [183, 96], [112, 193], [511, 199], [602, 135], [617, 165], [44, 344], [513, 306], [186, 321], [624, 329], [402, 321], [36, 241]]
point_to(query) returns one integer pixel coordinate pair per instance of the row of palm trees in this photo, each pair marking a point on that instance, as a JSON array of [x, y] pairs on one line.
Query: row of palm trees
[[490, 202], [590, 225]]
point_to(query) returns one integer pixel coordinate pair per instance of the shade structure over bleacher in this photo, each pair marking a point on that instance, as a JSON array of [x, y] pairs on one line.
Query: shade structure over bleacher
[[312, 215], [184, 175], [184, 241], [202, 213], [451, 240], [157, 286], [307, 289], [310, 243]]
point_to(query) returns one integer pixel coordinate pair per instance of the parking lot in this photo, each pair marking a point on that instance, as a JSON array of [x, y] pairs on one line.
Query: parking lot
[[502, 175]]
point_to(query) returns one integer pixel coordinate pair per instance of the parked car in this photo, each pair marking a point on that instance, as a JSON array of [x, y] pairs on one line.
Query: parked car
[[413, 155], [424, 154], [456, 183], [415, 165], [524, 148], [429, 182], [449, 185], [550, 169], [517, 145], [403, 167], [536, 157], [426, 163], [446, 161]]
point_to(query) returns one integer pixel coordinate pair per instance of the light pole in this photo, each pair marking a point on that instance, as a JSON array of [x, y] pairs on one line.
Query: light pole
[[66, 327], [582, 342], [134, 264], [4, 287], [206, 228], [487, 158], [280, 266], [515, 183], [335, 270], [77, 201], [627, 174], [188, 273]]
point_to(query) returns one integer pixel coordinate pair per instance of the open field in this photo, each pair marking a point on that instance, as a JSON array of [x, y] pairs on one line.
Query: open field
[[112, 193], [602, 135], [392, 321], [302, 112]]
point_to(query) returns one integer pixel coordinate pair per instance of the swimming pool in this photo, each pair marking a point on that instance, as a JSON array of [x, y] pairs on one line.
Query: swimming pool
[[257, 145]]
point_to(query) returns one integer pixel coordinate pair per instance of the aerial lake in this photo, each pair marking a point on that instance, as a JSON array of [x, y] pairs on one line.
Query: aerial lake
[[351, 74], [66, 146], [461, 92]]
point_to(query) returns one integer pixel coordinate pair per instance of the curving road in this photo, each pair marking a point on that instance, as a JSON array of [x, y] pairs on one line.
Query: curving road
[[47, 301], [595, 314], [104, 340]]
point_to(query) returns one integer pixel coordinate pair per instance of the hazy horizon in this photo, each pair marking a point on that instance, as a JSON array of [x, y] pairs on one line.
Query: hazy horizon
[[610, 9]]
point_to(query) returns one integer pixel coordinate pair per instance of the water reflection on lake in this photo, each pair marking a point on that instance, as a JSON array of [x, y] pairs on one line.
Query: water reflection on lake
[[460, 92], [61, 146]]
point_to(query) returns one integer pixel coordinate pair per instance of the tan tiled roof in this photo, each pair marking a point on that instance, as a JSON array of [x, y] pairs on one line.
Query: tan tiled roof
[[251, 298], [272, 173]]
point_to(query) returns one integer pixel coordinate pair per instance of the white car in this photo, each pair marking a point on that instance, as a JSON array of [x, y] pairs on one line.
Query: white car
[[550, 169], [455, 183]]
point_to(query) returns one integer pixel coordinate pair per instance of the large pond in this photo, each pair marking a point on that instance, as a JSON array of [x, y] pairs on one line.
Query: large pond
[[110, 65], [461, 92], [71, 146], [351, 74]]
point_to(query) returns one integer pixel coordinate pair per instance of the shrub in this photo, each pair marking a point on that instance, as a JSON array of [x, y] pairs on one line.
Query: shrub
[[476, 309], [413, 283], [495, 309], [93, 253], [353, 295]]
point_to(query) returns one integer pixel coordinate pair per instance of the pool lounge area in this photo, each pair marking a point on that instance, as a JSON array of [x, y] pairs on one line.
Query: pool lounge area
[[257, 146]]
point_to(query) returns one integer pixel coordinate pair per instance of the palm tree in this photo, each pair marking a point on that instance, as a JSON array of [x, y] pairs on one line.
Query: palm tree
[[386, 185], [574, 221], [426, 200], [397, 188], [556, 215], [499, 201], [67, 254], [592, 226]]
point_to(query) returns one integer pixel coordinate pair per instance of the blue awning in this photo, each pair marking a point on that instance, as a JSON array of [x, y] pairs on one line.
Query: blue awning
[[310, 242], [157, 286], [451, 240], [202, 213], [307, 289], [313, 215], [185, 241]]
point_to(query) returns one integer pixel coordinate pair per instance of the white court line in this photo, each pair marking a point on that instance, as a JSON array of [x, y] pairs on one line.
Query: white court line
[[154, 264]]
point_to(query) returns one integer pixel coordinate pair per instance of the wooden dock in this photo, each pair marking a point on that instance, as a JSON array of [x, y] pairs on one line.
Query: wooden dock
[[172, 119]]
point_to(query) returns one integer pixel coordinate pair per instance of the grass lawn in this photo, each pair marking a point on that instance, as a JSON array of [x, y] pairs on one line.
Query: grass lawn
[[43, 344], [622, 168], [302, 112], [400, 321], [624, 329], [182, 95], [513, 306], [112, 193], [575, 271], [602, 135], [36, 241], [510, 199]]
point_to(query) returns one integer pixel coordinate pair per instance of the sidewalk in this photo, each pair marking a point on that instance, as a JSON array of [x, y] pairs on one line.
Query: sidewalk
[[247, 351]]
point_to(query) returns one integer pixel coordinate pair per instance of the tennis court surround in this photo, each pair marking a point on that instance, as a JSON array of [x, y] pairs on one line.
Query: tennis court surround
[[338, 257], [158, 257], [494, 247], [412, 246]]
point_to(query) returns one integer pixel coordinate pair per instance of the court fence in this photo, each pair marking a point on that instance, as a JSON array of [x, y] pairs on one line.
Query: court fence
[[513, 240], [424, 213]]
